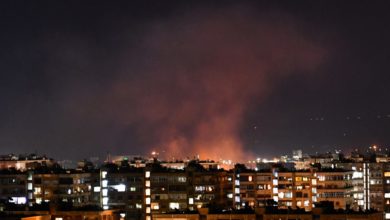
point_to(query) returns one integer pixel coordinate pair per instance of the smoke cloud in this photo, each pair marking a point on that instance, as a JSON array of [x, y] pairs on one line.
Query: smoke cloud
[[187, 84]]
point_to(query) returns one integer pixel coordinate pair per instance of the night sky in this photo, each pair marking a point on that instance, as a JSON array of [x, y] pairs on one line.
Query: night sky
[[223, 79]]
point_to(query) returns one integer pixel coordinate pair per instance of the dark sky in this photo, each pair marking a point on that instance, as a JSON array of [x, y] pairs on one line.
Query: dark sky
[[80, 79]]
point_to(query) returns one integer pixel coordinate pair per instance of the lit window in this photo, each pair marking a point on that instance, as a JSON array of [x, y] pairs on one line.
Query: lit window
[[133, 189], [155, 206], [120, 187], [147, 210], [182, 179], [147, 201], [104, 183], [230, 195], [105, 201], [250, 178], [174, 205], [138, 206], [104, 192], [191, 201], [38, 200], [147, 183], [18, 200], [37, 190], [96, 189], [29, 186], [147, 192], [104, 174], [147, 174]]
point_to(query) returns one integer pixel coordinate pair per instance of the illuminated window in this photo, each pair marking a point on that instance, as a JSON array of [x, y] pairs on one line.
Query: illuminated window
[[96, 189], [18, 200], [314, 182], [182, 179], [104, 192], [387, 174], [147, 192], [38, 200], [133, 189], [191, 201], [105, 201], [37, 190], [138, 206], [29, 186], [147, 201], [147, 174], [104, 183], [230, 195], [147, 210], [120, 187], [236, 190], [174, 205], [250, 178], [147, 183], [387, 215], [298, 178], [275, 190], [104, 174], [155, 206]]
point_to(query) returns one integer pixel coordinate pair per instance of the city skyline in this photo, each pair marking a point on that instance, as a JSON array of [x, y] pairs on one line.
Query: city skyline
[[209, 78]]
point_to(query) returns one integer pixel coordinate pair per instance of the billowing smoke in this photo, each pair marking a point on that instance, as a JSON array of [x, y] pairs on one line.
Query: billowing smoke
[[187, 84]]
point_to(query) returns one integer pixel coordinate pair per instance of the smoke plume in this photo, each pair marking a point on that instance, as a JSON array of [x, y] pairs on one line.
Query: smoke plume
[[187, 84]]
